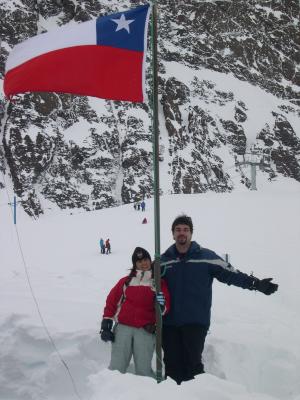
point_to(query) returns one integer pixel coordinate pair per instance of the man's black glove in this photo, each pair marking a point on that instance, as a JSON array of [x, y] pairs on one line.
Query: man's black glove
[[265, 285], [106, 330]]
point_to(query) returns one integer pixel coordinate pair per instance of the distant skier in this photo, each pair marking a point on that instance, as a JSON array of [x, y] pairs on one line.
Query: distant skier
[[131, 303], [189, 271], [138, 206], [143, 205], [107, 246], [134, 206], [102, 246]]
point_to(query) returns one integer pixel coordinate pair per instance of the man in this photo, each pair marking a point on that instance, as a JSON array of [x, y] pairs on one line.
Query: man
[[102, 246], [189, 270], [107, 246]]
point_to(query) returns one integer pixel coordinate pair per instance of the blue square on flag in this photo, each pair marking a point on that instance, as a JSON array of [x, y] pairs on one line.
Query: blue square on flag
[[124, 30]]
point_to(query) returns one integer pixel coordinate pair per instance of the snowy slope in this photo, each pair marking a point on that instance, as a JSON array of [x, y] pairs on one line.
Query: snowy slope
[[228, 86], [252, 350]]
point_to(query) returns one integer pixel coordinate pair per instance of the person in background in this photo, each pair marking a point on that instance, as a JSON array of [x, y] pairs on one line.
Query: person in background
[[102, 246], [143, 205], [108, 246], [189, 271], [131, 303]]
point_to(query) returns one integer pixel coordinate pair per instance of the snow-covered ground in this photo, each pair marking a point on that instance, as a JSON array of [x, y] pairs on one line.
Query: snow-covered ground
[[252, 350]]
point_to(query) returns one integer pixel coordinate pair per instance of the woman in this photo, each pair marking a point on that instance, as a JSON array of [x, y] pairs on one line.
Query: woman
[[131, 303]]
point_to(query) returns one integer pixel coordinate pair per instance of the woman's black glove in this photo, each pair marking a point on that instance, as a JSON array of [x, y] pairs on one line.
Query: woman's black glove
[[106, 330]]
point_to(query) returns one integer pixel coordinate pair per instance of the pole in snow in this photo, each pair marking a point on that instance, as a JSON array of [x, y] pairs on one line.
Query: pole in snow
[[15, 210], [155, 135]]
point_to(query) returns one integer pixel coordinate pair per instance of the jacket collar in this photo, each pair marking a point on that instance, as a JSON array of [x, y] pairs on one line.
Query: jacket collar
[[172, 252], [143, 275]]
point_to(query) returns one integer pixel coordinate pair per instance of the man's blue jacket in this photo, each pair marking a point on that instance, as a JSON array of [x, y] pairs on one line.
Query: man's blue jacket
[[190, 279]]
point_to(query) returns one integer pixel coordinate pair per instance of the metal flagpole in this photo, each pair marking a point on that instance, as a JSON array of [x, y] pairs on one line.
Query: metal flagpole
[[155, 135]]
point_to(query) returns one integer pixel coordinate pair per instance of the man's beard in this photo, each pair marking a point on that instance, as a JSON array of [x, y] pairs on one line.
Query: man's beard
[[181, 240]]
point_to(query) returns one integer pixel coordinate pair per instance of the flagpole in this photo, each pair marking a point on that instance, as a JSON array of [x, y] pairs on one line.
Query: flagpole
[[155, 135]]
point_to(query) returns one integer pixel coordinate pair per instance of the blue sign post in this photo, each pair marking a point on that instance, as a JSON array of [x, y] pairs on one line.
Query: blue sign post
[[15, 210]]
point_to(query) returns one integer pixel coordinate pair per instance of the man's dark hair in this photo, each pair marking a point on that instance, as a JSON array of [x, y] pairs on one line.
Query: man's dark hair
[[183, 220]]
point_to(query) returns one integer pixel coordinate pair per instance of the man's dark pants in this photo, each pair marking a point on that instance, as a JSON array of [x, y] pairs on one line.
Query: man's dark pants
[[183, 347]]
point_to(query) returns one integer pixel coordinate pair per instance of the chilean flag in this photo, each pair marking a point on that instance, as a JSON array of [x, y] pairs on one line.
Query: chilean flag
[[102, 58]]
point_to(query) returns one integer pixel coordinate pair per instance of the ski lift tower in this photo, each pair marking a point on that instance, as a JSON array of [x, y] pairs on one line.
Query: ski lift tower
[[254, 159]]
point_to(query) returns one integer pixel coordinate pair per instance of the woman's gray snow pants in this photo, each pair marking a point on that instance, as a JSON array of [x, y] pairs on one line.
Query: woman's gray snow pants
[[136, 342]]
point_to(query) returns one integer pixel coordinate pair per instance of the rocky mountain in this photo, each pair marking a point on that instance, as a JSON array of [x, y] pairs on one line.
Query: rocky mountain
[[229, 80]]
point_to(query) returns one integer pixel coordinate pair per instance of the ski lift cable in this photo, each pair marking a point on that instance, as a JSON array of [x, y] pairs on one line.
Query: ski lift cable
[[51, 340]]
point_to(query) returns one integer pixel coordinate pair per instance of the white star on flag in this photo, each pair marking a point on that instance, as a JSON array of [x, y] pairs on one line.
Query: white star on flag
[[123, 23]]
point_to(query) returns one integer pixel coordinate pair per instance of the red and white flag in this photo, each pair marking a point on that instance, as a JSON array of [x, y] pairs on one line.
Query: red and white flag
[[102, 58]]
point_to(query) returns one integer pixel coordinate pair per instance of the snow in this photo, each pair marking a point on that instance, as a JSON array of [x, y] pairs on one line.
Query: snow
[[252, 351], [53, 288], [78, 133], [260, 104]]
